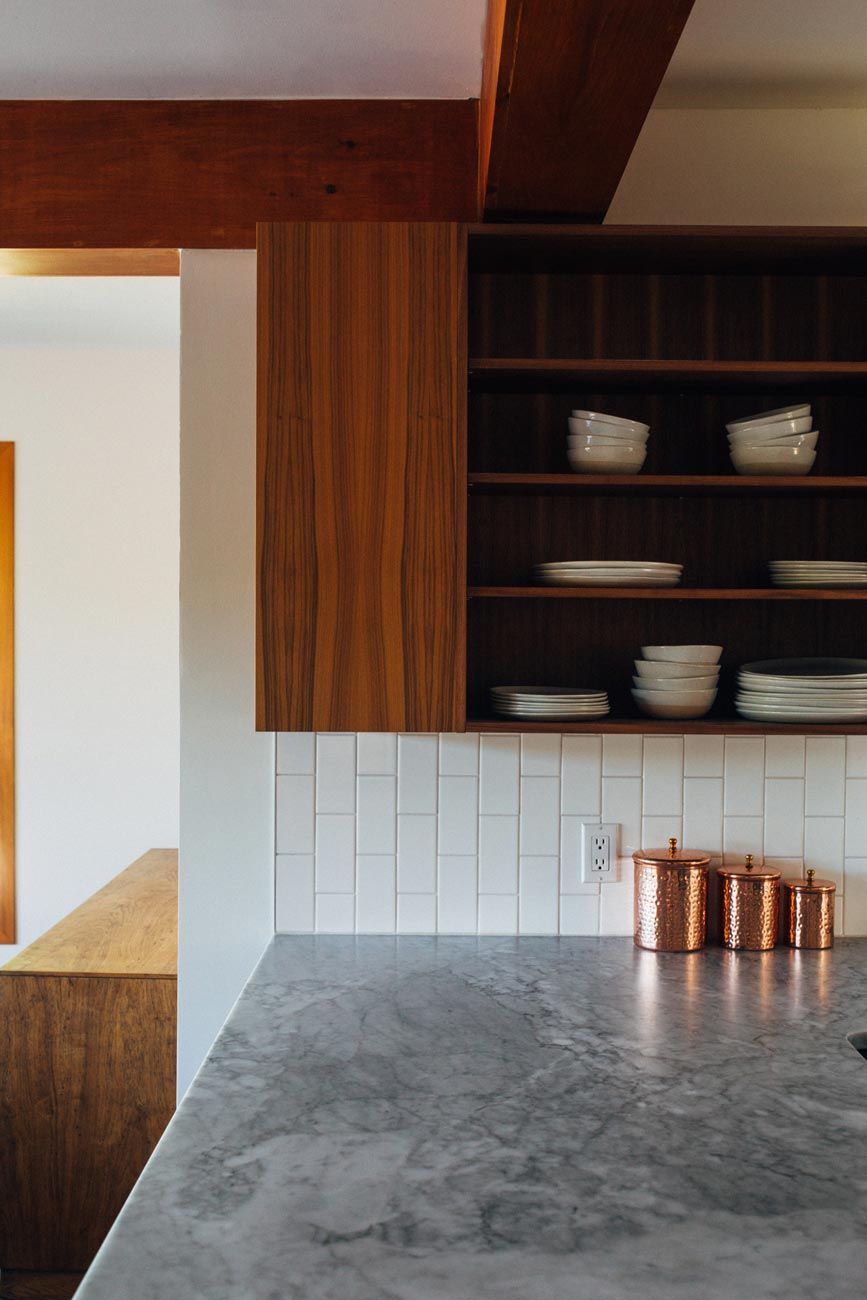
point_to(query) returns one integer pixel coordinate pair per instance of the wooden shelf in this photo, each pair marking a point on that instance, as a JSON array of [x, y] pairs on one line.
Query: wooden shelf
[[665, 484], [664, 593], [638, 372], [712, 726]]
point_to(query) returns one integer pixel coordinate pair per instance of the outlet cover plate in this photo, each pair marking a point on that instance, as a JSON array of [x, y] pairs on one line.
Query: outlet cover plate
[[599, 849]]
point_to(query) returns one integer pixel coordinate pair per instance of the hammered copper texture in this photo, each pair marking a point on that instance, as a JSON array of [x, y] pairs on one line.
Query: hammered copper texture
[[750, 912], [810, 918], [670, 907]]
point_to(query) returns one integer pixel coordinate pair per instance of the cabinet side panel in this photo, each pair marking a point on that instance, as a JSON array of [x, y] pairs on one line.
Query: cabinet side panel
[[362, 381]]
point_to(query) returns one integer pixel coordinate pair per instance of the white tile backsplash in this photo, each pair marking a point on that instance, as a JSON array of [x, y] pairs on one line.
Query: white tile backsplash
[[435, 849]]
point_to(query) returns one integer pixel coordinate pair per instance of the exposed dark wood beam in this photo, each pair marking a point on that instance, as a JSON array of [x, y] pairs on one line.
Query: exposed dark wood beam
[[565, 90], [200, 174]]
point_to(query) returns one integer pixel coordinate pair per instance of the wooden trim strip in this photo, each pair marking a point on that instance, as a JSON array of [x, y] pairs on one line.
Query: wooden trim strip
[[7, 692], [89, 261]]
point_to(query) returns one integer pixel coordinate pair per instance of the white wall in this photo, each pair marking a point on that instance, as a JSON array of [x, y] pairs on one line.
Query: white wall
[[96, 581], [227, 769], [747, 166]]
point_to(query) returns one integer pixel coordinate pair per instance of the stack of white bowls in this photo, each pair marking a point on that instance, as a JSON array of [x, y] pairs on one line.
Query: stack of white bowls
[[606, 444], [550, 703], [774, 442], [803, 690], [818, 573], [608, 573], [676, 681]]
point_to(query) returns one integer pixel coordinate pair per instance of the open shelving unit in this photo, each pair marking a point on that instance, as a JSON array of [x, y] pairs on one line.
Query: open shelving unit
[[684, 329]]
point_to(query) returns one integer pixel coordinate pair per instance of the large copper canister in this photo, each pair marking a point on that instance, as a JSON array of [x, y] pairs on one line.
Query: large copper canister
[[750, 906], [671, 898], [810, 912]]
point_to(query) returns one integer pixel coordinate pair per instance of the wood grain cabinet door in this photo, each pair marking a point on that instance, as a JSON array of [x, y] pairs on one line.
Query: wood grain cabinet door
[[361, 544]]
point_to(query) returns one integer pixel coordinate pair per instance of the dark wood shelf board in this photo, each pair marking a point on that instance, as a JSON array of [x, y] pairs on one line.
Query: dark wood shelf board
[[653, 373], [711, 726], [665, 484], [664, 593]]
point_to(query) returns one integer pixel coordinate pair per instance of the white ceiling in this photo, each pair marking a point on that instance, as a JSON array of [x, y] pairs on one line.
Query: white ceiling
[[89, 311], [235, 49], [770, 53]]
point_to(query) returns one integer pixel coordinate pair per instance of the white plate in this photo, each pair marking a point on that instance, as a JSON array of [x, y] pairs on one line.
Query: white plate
[[609, 564], [758, 714], [824, 667], [848, 583], [771, 417]]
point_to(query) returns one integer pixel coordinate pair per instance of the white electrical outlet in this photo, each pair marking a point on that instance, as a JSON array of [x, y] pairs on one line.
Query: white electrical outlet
[[598, 851]]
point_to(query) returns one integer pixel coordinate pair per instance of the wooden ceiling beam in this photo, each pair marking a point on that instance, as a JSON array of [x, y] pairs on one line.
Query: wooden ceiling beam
[[566, 86], [201, 174], [89, 261]]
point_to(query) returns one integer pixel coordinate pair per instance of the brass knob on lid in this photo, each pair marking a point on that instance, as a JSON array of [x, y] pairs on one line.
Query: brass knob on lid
[[748, 862], [672, 846], [811, 876]]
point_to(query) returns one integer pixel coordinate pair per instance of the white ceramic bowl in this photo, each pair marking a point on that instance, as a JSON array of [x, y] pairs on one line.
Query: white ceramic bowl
[[683, 654], [773, 428], [671, 704], [661, 668], [771, 417], [807, 440], [773, 460], [606, 460], [576, 442], [604, 429], [611, 419], [708, 683]]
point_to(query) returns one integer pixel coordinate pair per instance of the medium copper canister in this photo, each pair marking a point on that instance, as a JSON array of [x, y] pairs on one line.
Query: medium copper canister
[[810, 912], [671, 898], [750, 906]]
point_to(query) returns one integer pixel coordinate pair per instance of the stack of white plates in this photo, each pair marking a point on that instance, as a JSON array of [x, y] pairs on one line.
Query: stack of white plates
[[606, 444], [803, 690], [554, 702], [774, 442], [608, 573], [818, 573], [676, 681]]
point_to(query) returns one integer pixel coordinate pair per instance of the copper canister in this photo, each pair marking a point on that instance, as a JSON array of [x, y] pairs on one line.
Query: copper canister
[[671, 898], [810, 912], [750, 906]]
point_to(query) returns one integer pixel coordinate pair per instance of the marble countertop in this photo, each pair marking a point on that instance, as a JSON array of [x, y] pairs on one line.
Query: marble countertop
[[525, 1119]]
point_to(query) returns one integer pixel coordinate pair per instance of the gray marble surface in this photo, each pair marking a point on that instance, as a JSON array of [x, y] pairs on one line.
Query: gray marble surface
[[531, 1119]]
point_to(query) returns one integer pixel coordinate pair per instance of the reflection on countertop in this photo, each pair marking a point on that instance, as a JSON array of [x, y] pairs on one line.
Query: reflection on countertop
[[531, 1119]]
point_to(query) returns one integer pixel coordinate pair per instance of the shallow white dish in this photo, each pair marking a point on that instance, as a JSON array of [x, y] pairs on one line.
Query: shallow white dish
[[609, 564], [807, 440], [683, 654], [812, 667], [666, 704], [771, 417], [773, 429], [791, 461], [604, 460], [708, 683], [661, 668], [605, 418], [579, 428]]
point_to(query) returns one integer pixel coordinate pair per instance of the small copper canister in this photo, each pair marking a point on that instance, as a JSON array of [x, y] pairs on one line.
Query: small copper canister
[[810, 912], [750, 906], [671, 898]]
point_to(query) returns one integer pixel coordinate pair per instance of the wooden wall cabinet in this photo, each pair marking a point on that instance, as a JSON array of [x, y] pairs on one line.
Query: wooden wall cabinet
[[361, 477]]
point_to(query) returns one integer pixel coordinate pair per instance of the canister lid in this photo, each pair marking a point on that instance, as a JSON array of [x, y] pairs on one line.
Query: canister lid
[[811, 884], [672, 857], [747, 870]]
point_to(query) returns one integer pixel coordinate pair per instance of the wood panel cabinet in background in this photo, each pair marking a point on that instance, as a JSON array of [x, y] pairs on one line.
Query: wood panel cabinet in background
[[361, 549]]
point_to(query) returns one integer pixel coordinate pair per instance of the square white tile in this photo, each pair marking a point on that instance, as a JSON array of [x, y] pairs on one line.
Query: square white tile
[[377, 753], [417, 774], [417, 853], [458, 827], [856, 755], [540, 815], [579, 914], [459, 755], [335, 774], [539, 896], [499, 763], [742, 835], [540, 754], [657, 831], [621, 803], [703, 813], [581, 778], [376, 830], [335, 913], [376, 898], [826, 776], [784, 817], [294, 908], [296, 753], [458, 894], [744, 776], [784, 755], [498, 913], [663, 775], [621, 755], [498, 855], [703, 755], [416, 914], [824, 848], [335, 853], [295, 803]]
